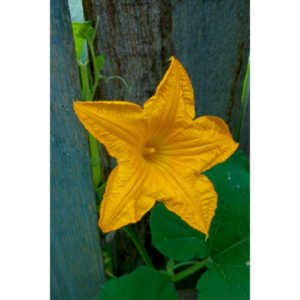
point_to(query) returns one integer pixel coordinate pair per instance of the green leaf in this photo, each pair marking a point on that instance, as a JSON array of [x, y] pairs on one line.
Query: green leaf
[[229, 232], [84, 30], [144, 283], [229, 282], [175, 238], [100, 59], [228, 275], [80, 41]]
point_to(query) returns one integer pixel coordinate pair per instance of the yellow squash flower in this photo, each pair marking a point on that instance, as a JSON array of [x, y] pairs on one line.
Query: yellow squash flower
[[161, 152]]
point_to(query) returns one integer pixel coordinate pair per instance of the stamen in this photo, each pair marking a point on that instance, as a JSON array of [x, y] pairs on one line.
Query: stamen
[[149, 150]]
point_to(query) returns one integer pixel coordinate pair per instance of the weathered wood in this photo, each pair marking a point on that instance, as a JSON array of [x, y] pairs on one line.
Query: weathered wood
[[134, 36], [210, 38], [76, 262]]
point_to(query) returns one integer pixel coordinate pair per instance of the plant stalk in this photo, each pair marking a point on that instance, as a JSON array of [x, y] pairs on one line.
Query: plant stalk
[[139, 246], [96, 71], [95, 158], [184, 264], [191, 270], [88, 93], [95, 161], [110, 274], [86, 90]]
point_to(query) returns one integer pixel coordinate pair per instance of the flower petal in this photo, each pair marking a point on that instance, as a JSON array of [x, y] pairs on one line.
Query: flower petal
[[124, 200], [190, 195], [205, 143], [187, 92], [173, 100], [114, 123]]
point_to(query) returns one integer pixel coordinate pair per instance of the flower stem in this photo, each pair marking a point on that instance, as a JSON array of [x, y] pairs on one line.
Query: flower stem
[[192, 262], [120, 78], [110, 274], [95, 161], [93, 143], [88, 93], [139, 246], [86, 89], [197, 266], [96, 71]]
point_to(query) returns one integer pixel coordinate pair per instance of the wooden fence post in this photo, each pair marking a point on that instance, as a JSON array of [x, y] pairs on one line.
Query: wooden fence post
[[76, 262]]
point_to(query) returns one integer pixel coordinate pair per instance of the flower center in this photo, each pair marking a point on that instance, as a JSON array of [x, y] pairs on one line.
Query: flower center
[[149, 151]]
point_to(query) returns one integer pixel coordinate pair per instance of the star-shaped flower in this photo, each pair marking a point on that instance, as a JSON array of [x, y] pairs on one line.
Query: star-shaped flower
[[161, 152]]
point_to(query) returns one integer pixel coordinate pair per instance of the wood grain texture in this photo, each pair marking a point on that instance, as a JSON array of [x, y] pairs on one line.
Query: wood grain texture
[[135, 37], [76, 260], [210, 38]]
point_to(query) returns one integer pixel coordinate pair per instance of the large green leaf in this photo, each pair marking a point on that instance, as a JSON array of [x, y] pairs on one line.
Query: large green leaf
[[227, 278], [228, 282], [144, 283], [173, 237], [229, 232]]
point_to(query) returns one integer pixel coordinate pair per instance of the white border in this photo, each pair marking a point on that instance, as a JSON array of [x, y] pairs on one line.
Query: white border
[[24, 121], [275, 149], [24, 151]]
